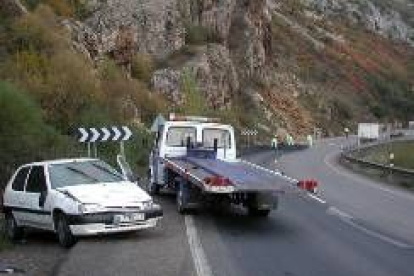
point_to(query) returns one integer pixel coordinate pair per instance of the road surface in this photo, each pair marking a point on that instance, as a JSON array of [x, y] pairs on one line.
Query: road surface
[[353, 227]]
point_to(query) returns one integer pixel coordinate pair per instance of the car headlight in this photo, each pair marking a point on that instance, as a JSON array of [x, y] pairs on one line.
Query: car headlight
[[147, 204], [91, 208]]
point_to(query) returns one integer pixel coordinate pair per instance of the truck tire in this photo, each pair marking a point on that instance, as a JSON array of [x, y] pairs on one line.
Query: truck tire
[[64, 235], [154, 188], [13, 231], [182, 197], [254, 212]]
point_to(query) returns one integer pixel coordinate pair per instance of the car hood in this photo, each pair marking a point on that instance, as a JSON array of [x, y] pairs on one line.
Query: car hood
[[109, 194]]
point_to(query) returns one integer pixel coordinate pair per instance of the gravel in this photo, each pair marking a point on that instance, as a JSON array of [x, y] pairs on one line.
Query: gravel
[[38, 254]]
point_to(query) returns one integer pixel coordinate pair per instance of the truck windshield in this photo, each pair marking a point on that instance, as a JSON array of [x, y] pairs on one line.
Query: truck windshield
[[177, 136], [80, 173], [222, 135]]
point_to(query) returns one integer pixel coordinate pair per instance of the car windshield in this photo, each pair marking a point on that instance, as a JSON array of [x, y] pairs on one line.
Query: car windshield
[[80, 173]]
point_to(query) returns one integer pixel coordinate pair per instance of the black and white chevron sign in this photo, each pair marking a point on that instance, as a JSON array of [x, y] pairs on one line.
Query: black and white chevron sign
[[104, 134], [249, 132]]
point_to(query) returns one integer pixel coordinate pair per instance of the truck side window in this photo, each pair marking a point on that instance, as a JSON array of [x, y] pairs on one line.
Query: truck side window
[[20, 179], [37, 181]]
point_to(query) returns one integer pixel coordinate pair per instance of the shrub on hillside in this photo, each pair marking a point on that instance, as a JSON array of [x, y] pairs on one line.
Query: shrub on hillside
[[39, 32], [142, 67], [24, 135], [199, 35]]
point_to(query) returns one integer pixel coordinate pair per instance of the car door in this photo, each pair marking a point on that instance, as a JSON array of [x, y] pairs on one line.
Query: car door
[[35, 197], [15, 194]]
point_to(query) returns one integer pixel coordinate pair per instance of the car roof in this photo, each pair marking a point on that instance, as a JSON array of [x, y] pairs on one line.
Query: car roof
[[59, 161]]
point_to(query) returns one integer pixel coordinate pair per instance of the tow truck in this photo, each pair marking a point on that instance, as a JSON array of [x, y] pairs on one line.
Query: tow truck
[[196, 158]]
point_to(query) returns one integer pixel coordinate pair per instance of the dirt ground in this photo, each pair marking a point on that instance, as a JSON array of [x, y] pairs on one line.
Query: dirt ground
[[38, 254]]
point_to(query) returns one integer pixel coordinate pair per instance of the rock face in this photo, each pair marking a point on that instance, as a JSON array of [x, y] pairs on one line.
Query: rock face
[[155, 25], [212, 70], [214, 15], [250, 39], [242, 57], [168, 83], [384, 21]]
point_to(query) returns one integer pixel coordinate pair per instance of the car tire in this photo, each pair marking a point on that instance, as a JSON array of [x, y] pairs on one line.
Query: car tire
[[12, 230], [254, 212], [64, 235]]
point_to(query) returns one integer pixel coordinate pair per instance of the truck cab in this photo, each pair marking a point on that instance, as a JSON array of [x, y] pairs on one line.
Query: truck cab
[[177, 136]]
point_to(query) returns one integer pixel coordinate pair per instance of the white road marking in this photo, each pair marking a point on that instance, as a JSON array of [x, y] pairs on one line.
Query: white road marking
[[358, 178], [336, 212], [378, 235], [316, 198], [199, 257], [348, 219]]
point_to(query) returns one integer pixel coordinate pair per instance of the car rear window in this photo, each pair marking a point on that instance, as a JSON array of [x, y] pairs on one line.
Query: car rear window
[[81, 173], [20, 179]]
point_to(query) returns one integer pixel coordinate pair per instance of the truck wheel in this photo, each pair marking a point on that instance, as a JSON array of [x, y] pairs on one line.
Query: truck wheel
[[182, 198], [254, 212], [154, 189], [65, 236], [13, 232]]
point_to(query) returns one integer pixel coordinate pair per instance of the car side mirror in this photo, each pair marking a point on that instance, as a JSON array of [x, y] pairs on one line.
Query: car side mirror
[[42, 198]]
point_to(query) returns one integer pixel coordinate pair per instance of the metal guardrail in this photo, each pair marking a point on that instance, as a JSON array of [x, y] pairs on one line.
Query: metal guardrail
[[349, 154]]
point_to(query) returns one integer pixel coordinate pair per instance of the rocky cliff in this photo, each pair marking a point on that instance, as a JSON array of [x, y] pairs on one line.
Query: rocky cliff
[[299, 63]]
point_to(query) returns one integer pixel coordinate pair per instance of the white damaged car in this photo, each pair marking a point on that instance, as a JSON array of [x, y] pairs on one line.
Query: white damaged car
[[76, 197]]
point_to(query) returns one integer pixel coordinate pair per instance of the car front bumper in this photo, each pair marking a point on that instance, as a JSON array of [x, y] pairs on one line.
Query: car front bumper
[[104, 223]]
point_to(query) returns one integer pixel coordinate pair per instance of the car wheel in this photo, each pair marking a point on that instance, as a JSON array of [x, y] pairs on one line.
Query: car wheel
[[254, 212], [65, 236], [13, 231]]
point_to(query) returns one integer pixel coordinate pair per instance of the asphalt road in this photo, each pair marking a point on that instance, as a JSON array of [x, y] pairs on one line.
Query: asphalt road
[[354, 227]]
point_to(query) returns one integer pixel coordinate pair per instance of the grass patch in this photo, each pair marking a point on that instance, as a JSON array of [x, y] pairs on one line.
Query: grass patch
[[403, 152]]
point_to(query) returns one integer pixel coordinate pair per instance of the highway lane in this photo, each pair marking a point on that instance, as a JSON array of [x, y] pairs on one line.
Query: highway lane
[[304, 237], [385, 209]]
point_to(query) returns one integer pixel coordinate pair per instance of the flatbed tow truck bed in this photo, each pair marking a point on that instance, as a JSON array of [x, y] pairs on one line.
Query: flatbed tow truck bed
[[244, 176]]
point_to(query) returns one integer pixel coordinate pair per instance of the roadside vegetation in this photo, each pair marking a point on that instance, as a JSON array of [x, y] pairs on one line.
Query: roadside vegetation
[[403, 154], [47, 91]]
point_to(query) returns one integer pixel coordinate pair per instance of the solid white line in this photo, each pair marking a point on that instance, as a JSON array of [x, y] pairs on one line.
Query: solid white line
[[348, 219], [378, 235], [200, 261], [317, 198]]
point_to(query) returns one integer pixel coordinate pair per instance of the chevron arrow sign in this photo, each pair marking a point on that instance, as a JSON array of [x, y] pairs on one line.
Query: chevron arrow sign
[[104, 134]]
